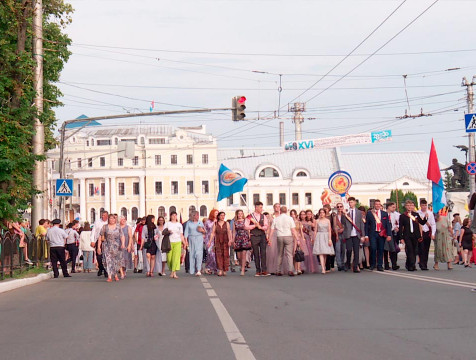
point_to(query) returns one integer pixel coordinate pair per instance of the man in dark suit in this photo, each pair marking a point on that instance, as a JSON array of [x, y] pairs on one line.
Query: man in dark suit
[[410, 234], [354, 234], [379, 230]]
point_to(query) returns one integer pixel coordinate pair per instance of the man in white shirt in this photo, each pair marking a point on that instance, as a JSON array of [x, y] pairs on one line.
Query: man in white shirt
[[429, 231], [286, 238], [98, 225]]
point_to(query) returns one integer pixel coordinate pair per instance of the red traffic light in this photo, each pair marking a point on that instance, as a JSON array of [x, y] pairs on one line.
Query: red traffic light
[[241, 100]]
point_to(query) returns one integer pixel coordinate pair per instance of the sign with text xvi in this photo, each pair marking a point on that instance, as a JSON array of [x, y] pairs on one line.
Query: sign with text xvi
[[64, 187]]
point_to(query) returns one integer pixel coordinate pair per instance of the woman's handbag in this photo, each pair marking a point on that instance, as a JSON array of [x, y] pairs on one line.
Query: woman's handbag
[[165, 247], [150, 238], [299, 255]]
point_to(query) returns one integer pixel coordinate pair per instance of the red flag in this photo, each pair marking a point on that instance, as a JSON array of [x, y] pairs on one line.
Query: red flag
[[434, 173]]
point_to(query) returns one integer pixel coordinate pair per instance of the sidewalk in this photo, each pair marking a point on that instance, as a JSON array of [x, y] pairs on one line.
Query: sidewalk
[[7, 285]]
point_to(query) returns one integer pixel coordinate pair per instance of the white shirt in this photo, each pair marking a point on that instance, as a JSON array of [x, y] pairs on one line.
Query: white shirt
[[431, 221], [98, 225], [176, 228], [352, 216], [283, 224], [85, 241], [394, 218]]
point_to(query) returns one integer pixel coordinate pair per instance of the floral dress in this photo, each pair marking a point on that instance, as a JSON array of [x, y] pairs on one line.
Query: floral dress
[[242, 236], [211, 263], [112, 253]]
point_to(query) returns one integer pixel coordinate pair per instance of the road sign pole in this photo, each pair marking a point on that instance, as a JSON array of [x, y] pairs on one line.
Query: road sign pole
[[472, 158]]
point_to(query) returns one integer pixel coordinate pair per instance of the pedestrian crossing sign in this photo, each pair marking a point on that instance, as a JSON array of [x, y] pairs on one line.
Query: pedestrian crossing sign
[[64, 187], [470, 122]]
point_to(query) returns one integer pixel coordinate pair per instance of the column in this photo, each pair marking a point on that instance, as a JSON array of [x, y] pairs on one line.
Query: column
[[82, 199], [107, 197], [142, 209], [113, 195]]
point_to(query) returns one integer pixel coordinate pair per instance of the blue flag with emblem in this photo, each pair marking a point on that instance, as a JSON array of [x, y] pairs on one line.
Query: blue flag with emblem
[[229, 182]]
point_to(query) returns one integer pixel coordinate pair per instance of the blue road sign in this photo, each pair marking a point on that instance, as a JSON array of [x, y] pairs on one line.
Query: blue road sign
[[471, 168], [64, 187], [470, 122]]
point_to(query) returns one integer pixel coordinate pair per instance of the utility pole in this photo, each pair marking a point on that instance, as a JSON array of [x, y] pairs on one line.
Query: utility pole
[[470, 99], [38, 142], [297, 108]]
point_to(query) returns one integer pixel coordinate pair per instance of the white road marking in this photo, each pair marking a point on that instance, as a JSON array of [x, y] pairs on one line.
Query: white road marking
[[428, 279], [237, 341], [203, 280]]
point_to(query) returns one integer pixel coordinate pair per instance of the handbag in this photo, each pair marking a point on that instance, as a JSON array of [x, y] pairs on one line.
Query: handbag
[[165, 247], [299, 255], [148, 243]]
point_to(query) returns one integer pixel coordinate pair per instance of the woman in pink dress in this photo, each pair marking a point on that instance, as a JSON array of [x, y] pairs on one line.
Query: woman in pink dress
[[211, 264], [310, 261], [272, 250], [299, 241]]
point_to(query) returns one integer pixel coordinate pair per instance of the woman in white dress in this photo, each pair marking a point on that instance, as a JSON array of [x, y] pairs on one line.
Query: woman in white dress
[[323, 242], [161, 256]]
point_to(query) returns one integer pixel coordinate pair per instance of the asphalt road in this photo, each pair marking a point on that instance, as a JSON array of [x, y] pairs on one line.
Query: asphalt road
[[391, 315]]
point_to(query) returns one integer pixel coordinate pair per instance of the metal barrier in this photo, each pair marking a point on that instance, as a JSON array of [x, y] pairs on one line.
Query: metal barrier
[[12, 256]]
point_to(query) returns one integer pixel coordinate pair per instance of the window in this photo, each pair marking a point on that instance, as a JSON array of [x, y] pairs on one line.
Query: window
[[243, 200], [295, 198], [103, 142], [92, 142], [53, 163], [269, 199], [158, 159], [135, 188], [161, 211], [87, 142], [205, 189], [120, 162], [93, 215], [203, 211], [91, 189], [189, 159], [79, 163], [134, 213], [130, 140], [116, 141], [269, 172], [142, 140], [54, 190], [229, 200], [308, 198], [204, 158], [255, 198], [153, 141], [121, 188], [174, 187], [135, 161], [102, 161], [103, 189], [124, 212], [171, 210], [405, 184], [173, 159], [189, 187], [158, 188], [79, 190], [90, 162], [282, 198], [371, 203], [301, 174]]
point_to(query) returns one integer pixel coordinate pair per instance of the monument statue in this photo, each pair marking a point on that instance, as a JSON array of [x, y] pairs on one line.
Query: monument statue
[[459, 180]]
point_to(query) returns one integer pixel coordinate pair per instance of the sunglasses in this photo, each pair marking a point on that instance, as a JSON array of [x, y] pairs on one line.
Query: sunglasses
[[339, 207]]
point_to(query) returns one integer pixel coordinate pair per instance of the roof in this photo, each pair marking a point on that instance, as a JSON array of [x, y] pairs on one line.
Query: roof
[[364, 167], [370, 167], [82, 123], [319, 163]]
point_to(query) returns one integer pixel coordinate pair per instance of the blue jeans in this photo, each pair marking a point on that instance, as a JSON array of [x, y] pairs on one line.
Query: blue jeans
[[196, 253], [340, 251], [88, 260]]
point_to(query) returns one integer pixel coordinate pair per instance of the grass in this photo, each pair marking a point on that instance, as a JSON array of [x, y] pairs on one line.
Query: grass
[[26, 273]]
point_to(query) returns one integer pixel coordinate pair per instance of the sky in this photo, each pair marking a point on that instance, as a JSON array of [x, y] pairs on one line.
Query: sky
[[192, 54]]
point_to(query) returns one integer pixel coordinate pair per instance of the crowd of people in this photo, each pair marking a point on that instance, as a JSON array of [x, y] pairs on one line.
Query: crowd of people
[[346, 238]]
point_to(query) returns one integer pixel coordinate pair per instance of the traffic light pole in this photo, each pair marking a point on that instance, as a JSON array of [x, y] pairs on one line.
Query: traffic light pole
[[63, 138]]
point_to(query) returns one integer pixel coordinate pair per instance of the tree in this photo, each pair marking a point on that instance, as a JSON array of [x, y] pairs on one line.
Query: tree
[[17, 94], [402, 197]]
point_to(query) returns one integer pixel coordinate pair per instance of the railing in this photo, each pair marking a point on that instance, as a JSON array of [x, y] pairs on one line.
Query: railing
[[12, 256]]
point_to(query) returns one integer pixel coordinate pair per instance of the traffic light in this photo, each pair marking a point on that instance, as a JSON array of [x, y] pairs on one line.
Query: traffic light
[[238, 108]]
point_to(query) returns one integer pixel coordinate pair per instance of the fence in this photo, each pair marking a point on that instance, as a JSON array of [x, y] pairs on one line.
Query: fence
[[12, 256]]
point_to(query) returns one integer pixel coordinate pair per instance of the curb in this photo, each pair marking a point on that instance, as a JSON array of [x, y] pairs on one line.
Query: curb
[[15, 284]]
